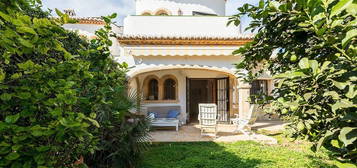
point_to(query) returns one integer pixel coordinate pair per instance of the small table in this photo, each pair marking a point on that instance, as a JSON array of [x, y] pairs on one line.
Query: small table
[[165, 122]]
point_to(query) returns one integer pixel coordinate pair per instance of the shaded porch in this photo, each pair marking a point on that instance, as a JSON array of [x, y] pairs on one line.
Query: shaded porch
[[191, 133]]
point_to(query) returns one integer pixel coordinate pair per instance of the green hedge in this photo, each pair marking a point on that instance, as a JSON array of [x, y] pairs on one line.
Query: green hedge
[[56, 90]]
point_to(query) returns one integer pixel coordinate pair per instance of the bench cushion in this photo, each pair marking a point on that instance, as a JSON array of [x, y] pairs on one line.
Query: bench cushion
[[163, 111], [173, 114]]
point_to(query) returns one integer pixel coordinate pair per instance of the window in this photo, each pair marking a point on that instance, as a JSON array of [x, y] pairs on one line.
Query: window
[[169, 89], [162, 89], [153, 90], [259, 87]]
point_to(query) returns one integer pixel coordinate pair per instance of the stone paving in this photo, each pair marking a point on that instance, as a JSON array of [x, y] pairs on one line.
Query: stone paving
[[191, 133]]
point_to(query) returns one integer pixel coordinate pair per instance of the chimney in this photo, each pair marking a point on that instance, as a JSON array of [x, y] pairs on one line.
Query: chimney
[[70, 12]]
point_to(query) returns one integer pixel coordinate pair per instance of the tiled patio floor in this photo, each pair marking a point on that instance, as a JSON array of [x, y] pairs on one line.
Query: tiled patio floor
[[191, 133]]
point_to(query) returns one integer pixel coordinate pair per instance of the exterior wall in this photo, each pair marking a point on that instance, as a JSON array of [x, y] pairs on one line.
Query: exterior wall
[[180, 26], [219, 61], [88, 30], [156, 66], [213, 61], [186, 6], [181, 76], [243, 97]]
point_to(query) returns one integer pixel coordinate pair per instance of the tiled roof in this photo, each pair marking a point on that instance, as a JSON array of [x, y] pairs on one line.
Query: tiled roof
[[89, 20], [180, 51], [185, 39]]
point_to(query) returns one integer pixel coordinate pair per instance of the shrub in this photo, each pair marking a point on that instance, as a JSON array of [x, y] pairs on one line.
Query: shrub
[[122, 136], [54, 86], [40, 122], [310, 48]]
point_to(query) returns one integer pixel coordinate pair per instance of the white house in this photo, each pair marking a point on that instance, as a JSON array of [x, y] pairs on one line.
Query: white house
[[180, 52]]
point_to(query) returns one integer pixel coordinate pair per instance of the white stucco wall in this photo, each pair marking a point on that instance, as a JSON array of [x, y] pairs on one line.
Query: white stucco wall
[[181, 76], [212, 26], [89, 31], [186, 6], [156, 65], [220, 61], [217, 62]]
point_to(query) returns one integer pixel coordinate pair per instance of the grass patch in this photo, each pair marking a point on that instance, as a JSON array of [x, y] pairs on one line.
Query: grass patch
[[244, 154]]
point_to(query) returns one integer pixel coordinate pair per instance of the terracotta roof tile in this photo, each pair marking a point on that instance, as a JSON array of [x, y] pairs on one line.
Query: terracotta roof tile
[[89, 20], [185, 40]]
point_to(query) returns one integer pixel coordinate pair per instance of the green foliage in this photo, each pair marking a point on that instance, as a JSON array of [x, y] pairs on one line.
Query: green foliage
[[40, 122], [55, 91], [122, 137], [310, 48], [122, 142]]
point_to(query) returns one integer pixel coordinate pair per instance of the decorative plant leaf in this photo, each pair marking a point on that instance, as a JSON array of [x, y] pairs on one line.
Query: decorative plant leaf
[[24, 29], [345, 165], [348, 135], [12, 156], [351, 91], [24, 95], [333, 94], [340, 6], [2, 75], [290, 75], [25, 43], [304, 63], [352, 9], [26, 65], [343, 103], [323, 139], [314, 66], [349, 35], [12, 118], [307, 96], [5, 96], [340, 85]]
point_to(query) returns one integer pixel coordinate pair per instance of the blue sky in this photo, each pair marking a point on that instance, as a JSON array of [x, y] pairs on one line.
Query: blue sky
[[86, 8]]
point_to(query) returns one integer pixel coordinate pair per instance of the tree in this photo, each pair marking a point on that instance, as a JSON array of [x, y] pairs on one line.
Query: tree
[[310, 49], [41, 123], [56, 89]]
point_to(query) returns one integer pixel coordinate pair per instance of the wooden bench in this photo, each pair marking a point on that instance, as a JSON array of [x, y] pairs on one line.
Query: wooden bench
[[161, 120], [165, 122]]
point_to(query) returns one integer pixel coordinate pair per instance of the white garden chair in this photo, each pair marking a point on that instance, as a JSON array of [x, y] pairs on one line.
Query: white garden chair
[[207, 118], [242, 123]]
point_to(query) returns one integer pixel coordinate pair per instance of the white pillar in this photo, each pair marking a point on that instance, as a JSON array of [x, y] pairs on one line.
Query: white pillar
[[243, 94]]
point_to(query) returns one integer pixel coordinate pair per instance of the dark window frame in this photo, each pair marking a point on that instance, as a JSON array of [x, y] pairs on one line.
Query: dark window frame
[[259, 87], [153, 89], [170, 90]]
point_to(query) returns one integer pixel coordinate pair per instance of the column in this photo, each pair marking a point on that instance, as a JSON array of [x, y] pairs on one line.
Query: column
[[243, 94]]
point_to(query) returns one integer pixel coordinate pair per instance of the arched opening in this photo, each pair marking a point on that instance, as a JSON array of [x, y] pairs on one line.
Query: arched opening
[[153, 92], [170, 89], [146, 14], [162, 12], [151, 88]]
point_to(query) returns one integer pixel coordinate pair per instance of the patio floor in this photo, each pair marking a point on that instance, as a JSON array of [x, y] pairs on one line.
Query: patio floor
[[191, 133]]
